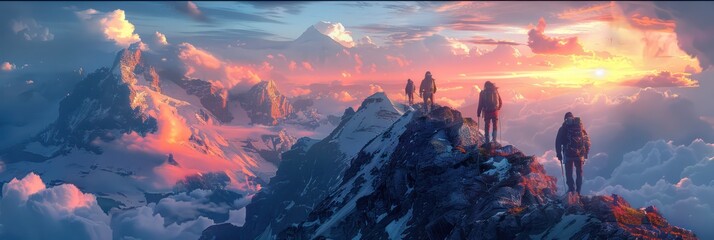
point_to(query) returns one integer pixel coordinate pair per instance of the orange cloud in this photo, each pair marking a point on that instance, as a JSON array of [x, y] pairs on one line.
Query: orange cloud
[[654, 24], [343, 96], [292, 66], [596, 12]]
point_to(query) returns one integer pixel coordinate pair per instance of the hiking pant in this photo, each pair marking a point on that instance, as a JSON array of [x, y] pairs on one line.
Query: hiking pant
[[578, 162], [410, 95], [489, 119], [428, 101]]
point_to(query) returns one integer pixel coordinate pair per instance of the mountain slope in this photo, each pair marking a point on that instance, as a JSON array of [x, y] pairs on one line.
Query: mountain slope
[[265, 104], [424, 179], [309, 171]]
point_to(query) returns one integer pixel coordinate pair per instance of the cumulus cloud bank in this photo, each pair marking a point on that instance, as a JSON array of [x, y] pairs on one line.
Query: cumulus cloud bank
[[30, 210], [677, 179]]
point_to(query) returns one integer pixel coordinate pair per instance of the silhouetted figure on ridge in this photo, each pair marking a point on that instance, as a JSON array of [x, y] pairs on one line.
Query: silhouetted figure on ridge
[[573, 141], [409, 90], [489, 102], [427, 89]]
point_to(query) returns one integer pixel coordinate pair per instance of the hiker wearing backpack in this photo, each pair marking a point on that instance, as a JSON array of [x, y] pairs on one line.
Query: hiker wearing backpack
[[410, 91], [427, 88], [573, 141], [489, 102]]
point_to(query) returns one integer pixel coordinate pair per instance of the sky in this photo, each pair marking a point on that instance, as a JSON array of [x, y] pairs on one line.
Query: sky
[[639, 73]]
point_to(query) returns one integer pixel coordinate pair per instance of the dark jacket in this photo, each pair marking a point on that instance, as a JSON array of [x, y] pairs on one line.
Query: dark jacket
[[562, 138], [410, 87], [428, 85], [488, 89]]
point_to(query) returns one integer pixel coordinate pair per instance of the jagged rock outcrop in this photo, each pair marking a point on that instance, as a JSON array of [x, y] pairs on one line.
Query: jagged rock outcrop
[[264, 104], [425, 178], [309, 171], [213, 97]]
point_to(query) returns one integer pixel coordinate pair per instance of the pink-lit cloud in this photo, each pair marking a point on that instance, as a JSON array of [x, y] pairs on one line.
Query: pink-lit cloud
[[7, 66], [307, 66], [300, 91], [542, 44]]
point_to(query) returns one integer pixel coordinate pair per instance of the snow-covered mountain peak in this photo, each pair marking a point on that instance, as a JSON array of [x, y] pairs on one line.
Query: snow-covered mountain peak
[[375, 114]]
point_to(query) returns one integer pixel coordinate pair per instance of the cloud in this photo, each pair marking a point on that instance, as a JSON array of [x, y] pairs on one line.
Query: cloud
[[300, 91], [677, 179], [291, 7], [198, 57], [401, 62], [594, 12], [366, 41], [542, 44], [399, 35], [30, 210], [617, 124], [307, 66], [694, 30], [652, 23], [343, 96], [451, 102], [373, 88], [663, 79], [31, 30], [190, 9], [113, 26], [7, 66], [336, 31], [144, 223], [472, 22], [490, 41], [160, 39]]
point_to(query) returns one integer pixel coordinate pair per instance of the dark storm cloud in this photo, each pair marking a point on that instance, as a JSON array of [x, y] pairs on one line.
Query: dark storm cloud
[[694, 28]]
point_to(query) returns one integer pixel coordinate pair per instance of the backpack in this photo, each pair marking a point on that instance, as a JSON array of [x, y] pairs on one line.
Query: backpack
[[576, 141], [490, 100]]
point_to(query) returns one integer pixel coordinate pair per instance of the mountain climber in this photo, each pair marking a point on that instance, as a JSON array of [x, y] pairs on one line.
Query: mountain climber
[[489, 102], [573, 141], [427, 90], [409, 90]]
